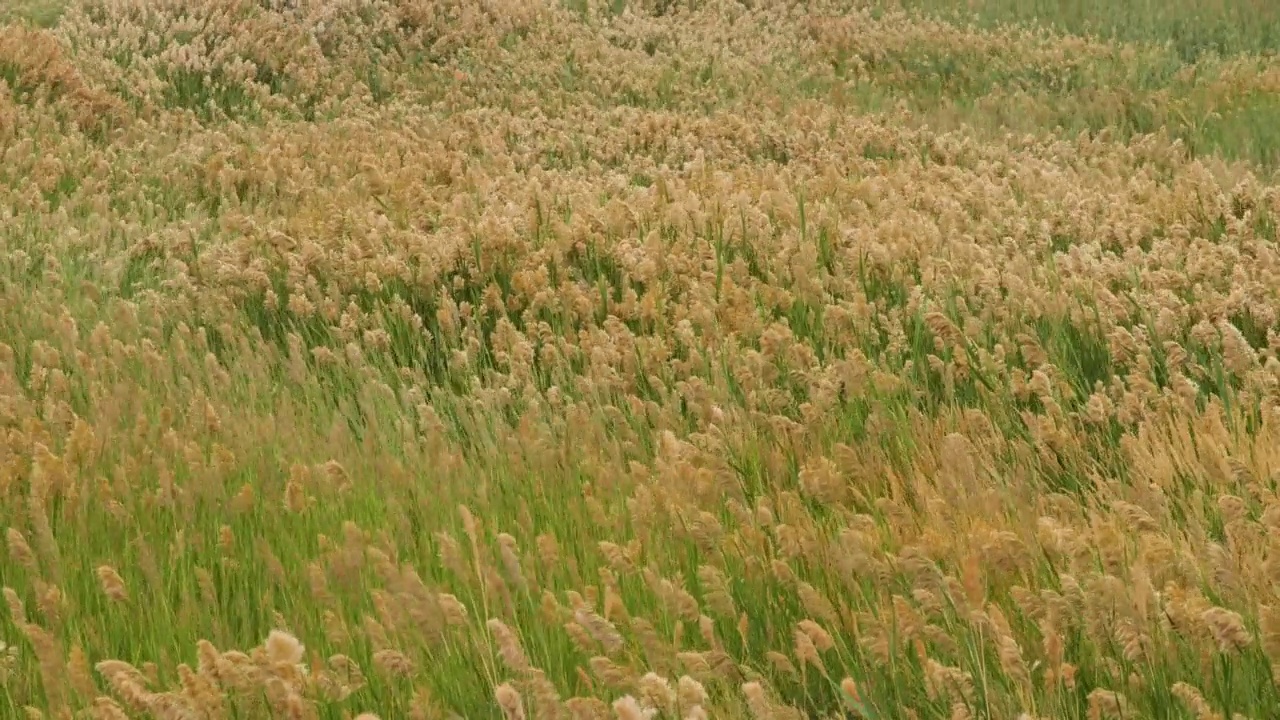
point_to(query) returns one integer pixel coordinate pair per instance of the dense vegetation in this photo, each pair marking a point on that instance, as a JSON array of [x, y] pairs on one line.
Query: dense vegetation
[[639, 359]]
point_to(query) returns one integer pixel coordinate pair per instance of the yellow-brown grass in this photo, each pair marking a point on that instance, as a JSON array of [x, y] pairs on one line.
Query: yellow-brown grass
[[520, 359]]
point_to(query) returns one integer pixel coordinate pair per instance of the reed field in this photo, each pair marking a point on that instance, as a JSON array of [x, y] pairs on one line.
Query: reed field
[[640, 359]]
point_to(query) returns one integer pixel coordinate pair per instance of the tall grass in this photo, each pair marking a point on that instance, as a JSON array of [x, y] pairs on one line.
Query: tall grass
[[382, 358]]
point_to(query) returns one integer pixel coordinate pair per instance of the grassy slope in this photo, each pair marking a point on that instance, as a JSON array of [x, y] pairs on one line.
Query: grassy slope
[[1191, 29], [1179, 49], [40, 12]]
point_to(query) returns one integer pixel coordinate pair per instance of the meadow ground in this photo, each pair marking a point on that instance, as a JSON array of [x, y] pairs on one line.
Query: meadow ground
[[640, 359]]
